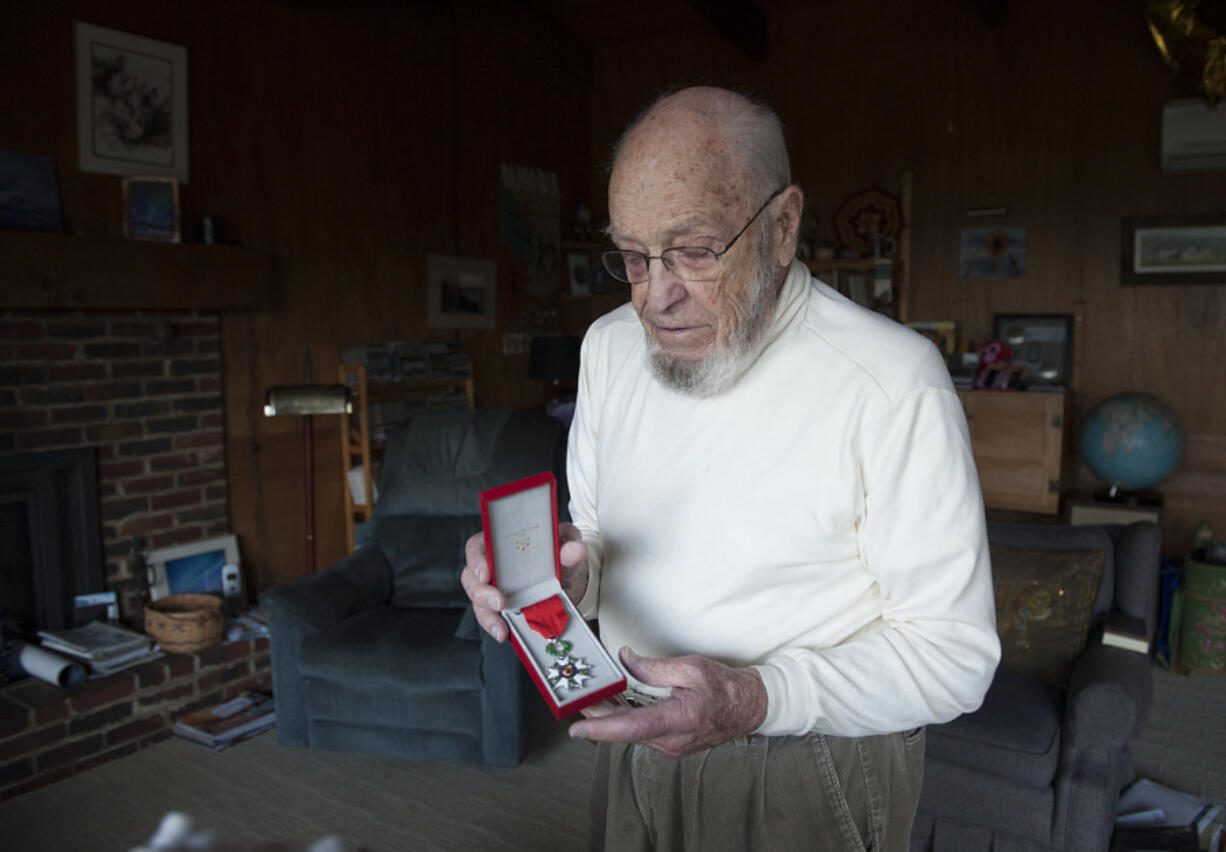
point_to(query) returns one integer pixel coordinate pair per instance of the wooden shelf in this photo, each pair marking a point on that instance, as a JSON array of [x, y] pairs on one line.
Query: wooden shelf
[[899, 306], [413, 390], [611, 299], [858, 264], [357, 447], [45, 270]]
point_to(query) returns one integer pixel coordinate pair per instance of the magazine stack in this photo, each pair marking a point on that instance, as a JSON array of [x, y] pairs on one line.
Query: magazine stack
[[104, 647], [222, 725]]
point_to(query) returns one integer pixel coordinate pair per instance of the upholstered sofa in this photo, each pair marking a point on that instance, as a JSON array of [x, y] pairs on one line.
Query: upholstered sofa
[[1040, 765], [380, 653]]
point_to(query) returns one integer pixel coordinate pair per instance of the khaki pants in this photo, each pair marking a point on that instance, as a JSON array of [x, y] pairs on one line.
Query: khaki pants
[[767, 793]]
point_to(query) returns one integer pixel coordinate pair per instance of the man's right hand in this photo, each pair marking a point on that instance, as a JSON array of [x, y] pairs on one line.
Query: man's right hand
[[487, 601]]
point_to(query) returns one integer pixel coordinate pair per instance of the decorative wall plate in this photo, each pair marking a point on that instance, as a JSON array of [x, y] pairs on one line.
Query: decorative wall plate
[[866, 214]]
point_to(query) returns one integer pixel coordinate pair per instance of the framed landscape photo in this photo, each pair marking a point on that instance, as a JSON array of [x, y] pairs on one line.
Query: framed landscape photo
[[1173, 249], [461, 292], [151, 209], [131, 104]]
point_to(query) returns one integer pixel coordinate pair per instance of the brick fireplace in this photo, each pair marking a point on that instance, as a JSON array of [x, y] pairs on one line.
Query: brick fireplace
[[48, 733], [143, 389]]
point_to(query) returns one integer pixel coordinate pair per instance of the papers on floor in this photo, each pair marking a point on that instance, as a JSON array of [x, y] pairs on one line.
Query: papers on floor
[[104, 648], [222, 725], [179, 831], [1145, 804]]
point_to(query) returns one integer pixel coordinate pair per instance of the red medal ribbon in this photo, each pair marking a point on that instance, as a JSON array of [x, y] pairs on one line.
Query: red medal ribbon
[[547, 617]]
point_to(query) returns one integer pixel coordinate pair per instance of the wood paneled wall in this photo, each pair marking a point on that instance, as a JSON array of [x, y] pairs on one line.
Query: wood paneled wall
[[1055, 116], [348, 140]]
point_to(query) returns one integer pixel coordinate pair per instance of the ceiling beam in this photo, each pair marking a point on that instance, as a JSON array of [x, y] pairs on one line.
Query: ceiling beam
[[741, 22], [995, 13]]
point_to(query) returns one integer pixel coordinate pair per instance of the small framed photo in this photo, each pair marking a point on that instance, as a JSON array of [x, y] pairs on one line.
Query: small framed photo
[[151, 209], [1042, 345], [461, 292], [1173, 249], [578, 265], [131, 104]]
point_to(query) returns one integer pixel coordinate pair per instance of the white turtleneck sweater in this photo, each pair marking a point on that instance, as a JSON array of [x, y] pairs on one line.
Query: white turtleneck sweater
[[821, 520]]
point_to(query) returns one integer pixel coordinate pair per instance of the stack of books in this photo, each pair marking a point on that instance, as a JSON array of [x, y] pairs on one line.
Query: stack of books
[[411, 361], [222, 725], [103, 647]]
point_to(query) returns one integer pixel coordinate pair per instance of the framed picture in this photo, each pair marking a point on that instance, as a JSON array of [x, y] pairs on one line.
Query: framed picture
[[1173, 249], [29, 195], [461, 292], [151, 209], [992, 252], [131, 104], [198, 567], [1042, 346], [578, 265]]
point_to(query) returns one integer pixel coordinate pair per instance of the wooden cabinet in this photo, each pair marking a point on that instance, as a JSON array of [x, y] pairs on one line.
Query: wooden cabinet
[[1018, 439], [359, 450]]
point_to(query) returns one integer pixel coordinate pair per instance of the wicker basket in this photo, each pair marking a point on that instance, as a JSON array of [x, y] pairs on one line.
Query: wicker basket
[[184, 623]]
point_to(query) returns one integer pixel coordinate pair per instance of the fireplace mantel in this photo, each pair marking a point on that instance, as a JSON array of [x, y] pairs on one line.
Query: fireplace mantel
[[43, 270]]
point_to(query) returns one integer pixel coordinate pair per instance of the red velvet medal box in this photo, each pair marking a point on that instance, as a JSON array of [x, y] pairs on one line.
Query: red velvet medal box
[[567, 663]]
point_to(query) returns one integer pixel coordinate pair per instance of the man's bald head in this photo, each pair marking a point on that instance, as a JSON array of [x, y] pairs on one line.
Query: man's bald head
[[741, 137]]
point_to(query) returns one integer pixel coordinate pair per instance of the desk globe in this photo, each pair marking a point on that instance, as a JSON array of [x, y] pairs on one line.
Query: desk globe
[[1132, 442]]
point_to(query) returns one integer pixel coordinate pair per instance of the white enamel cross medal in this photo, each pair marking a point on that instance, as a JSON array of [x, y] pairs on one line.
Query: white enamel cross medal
[[548, 618]]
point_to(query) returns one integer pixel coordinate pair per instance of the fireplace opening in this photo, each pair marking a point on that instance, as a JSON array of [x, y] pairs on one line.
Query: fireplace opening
[[50, 545]]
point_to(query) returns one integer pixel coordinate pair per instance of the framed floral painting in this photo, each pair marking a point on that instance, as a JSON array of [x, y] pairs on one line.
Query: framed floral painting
[[131, 104]]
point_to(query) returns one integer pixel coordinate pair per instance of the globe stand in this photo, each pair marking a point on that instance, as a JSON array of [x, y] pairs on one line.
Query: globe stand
[[1121, 507], [1132, 499]]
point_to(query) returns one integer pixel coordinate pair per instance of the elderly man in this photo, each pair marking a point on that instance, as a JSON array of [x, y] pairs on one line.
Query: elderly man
[[774, 506]]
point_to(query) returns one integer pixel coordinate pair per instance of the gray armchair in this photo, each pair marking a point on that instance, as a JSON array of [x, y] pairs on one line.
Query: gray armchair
[[1040, 766], [380, 653]]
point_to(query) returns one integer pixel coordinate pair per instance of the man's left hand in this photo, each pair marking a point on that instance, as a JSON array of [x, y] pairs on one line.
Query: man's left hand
[[711, 703]]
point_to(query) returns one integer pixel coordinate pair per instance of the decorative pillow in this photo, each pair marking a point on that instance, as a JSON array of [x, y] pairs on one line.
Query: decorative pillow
[[1044, 602]]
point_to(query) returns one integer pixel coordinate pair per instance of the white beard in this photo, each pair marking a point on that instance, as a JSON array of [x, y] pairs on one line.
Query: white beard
[[719, 370]]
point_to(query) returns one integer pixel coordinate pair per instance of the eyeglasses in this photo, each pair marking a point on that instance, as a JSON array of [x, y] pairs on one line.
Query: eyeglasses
[[689, 263]]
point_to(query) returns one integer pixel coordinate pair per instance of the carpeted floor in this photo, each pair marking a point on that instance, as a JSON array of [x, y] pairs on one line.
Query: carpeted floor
[[1183, 745], [260, 791]]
